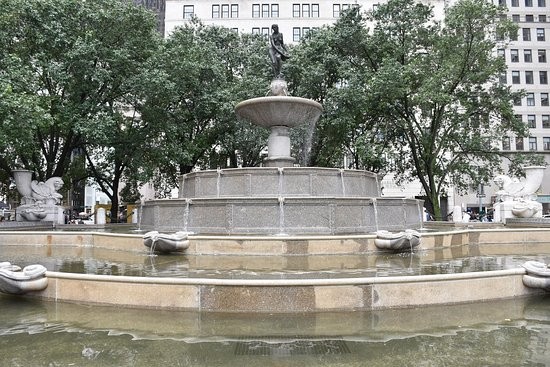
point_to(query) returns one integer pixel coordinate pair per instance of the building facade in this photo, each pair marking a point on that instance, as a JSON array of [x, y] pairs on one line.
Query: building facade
[[158, 7], [528, 67], [294, 18]]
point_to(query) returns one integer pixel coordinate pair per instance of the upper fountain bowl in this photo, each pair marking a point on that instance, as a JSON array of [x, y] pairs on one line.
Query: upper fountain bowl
[[279, 111]]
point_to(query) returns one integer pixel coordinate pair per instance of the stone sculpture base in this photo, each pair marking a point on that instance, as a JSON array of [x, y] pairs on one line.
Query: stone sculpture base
[[281, 201], [503, 210], [34, 213]]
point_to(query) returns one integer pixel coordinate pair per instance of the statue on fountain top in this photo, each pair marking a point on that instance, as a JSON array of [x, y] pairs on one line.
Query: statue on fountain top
[[277, 51]]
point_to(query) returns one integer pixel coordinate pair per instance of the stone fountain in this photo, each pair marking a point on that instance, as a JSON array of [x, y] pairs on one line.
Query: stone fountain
[[280, 199]]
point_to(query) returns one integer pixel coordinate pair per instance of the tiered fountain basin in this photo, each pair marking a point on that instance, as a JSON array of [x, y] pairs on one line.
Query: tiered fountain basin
[[279, 275], [281, 201]]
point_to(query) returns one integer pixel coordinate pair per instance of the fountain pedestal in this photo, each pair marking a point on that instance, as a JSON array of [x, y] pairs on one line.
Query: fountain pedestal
[[278, 148], [279, 113], [279, 199]]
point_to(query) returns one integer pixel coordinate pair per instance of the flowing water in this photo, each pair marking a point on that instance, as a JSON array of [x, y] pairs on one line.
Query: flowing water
[[504, 333]]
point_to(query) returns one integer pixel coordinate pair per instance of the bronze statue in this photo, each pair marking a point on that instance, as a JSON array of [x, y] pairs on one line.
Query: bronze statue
[[277, 51]]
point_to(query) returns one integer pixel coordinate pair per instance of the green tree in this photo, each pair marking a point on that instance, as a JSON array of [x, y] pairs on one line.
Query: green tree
[[319, 70], [203, 71], [68, 68], [430, 90]]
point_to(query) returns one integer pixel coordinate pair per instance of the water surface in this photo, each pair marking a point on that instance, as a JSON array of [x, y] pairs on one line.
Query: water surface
[[504, 333]]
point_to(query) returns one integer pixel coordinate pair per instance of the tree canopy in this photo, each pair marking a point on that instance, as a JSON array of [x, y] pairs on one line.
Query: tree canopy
[[402, 92], [414, 95]]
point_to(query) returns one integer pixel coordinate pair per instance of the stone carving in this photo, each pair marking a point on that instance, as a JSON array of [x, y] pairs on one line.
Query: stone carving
[[277, 51], [538, 275], [13, 280], [517, 198], [401, 241], [39, 199], [163, 242]]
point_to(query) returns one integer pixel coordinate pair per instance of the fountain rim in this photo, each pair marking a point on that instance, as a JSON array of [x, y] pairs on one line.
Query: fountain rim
[[303, 295], [288, 282], [279, 99]]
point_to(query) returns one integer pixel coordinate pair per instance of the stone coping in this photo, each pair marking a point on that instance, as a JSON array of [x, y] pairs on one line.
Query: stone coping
[[284, 295], [252, 245]]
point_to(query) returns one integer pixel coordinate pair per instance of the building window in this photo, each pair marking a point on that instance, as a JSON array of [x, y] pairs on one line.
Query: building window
[[514, 55], [256, 11], [543, 77], [502, 2], [546, 121], [234, 10], [546, 143], [529, 3], [529, 18], [527, 34], [296, 10], [542, 3], [305, 11], [527, 56], [265, 32], [315, 10], [532, 143], [265, 10], [501, 53], [255, 30], [275, 11], [225, 11], [506, 143], [532, 121], [215, 11], [529, 77], [502, 78], [519, 143], [515, 77], [515, 3], [336, 10], [517, 101], [296, 34], [515, 18], [544, 99], [540, 34], [188, 11], [542, 18], [519, 118], [542, 55], [530, 99]]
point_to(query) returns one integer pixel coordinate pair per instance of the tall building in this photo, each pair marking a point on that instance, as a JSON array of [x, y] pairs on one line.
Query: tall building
[[158, 7], [527, 58], [295, 18]]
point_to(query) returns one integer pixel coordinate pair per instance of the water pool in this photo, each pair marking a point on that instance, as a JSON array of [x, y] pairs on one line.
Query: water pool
[[458, 259], [503, 333]]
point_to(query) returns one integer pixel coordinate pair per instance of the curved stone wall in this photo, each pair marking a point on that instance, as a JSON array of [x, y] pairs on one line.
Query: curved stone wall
[[281, 201], [288, 181]]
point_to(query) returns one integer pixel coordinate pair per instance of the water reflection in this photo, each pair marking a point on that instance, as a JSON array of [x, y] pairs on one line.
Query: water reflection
[[504, 333], [110, 262]]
